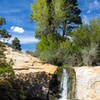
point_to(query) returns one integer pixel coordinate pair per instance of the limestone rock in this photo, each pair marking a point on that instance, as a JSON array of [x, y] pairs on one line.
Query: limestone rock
[[25, 63], [87, 83]]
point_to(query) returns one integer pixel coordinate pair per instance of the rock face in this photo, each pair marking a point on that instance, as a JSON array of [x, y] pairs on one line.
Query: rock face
[[25, 63], [87, 78], [32, 76], [87, 83]]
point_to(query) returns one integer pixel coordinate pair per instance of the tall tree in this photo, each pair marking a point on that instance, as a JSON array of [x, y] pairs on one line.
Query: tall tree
[[40, 16], [72, 19], [3, 35], [3, 32], [16, 44], [52, 15]]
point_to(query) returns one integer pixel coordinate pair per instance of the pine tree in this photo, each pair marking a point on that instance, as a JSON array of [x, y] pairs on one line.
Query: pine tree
[[3, 36], [16, 44], [3, 32]]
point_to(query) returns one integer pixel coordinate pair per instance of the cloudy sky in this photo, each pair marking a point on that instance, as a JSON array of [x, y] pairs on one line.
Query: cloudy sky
[[17, 14]]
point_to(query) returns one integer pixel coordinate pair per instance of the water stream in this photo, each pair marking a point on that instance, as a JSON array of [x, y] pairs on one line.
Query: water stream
[[63, 85]]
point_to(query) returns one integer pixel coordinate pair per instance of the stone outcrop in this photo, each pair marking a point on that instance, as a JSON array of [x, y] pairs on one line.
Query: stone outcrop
[[32, 76], [87, 83], [87, 78], [25, 63]]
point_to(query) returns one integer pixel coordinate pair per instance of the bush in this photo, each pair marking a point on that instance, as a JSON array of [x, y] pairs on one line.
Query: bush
[[2, 49], [89, 55], [30, 52], [49, 50], [98, 54], [58, 52], [6, 71]]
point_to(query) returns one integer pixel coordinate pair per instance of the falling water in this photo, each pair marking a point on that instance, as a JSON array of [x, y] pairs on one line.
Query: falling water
[[63, 85]]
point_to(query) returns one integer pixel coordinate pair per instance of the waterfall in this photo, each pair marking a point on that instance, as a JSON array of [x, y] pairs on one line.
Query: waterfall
[[63, 85]]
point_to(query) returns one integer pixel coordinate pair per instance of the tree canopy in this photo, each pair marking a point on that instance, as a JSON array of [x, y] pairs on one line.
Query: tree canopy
[[54, 15], [3, 32], [16, 44], [3, 35]]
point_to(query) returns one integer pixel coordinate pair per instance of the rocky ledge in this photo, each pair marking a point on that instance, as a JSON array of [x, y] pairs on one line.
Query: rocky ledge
[[25, 63]]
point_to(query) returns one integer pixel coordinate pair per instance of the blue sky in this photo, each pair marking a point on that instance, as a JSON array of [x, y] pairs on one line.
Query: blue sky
[[17, 14]]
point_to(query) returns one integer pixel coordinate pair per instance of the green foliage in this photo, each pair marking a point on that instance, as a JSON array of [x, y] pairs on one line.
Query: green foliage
[[87, 39], [22, 95], [48, 48], [55, 48], [98, 55], [2, 21], [3, 35], [3, 32], [81, 36], [47, 43], [6, 70], [59, 51], [89, 55], [40, 15], [16, 44], [80, 48], [52, 15], [2, 49]]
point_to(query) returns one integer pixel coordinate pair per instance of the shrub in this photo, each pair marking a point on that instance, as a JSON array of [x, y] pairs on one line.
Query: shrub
[[49, 50], [16, 44], [30, 52], [89, 55], [58, 52], [6, 71], [98, 55]]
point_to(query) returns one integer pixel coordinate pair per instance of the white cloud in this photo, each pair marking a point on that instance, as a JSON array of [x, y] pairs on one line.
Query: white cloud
[[85, 19], [89, 11], [93, 6], [25, 40], [96, 3], [17, 29]]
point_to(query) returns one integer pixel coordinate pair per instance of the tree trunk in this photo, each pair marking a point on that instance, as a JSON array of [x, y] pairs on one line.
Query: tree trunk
[[64, 29]]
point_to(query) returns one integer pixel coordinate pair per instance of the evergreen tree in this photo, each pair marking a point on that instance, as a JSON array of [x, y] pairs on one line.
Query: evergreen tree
[[3, 32], [16, 44], [3, 35], [6, 71]]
